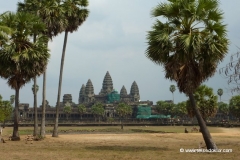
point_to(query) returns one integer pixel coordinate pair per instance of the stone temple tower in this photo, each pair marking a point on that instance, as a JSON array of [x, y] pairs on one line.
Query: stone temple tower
[[81, 94], [107, 85], [134, 93], [123, 92], [89, 92]]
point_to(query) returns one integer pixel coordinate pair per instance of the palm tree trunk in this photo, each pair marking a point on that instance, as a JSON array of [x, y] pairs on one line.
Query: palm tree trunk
[[35, 108], [55, 130], [42, 130], [15, 135], [205, 132]]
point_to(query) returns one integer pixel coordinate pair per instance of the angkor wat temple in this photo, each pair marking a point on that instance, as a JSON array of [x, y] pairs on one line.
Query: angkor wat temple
[[108, 96]]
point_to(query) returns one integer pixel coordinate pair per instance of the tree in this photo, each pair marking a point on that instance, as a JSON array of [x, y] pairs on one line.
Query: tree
[[180, 109], [220, 93], [12, 97], [35, 88], [67, 109], [75, 14], [52, 15], [20, 59], [189, 45], [234, 106], [81, 109], [123, 110], [223, 108], [164, 107], [5, 110], [172, 89], [206, 102], [4, 32], [97, 111], [232, 72]]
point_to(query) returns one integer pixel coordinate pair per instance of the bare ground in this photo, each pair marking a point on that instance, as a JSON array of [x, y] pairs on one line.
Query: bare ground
[[134, 146]]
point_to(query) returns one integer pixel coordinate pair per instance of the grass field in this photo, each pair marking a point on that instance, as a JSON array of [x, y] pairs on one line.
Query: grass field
[[74, 144]]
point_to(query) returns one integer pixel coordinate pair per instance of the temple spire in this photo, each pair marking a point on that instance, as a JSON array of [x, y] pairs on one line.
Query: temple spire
[[107, 85]]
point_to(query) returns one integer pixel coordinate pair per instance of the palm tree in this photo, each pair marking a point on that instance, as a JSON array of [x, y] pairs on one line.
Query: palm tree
[[75, 14], [20, 59], [189, 45], [4, 32], [35, 88], [123, 110], [172, 89], [220, 93], [51, 14]]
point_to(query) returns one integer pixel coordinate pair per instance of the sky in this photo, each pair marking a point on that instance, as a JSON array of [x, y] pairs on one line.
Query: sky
[[113, 38]]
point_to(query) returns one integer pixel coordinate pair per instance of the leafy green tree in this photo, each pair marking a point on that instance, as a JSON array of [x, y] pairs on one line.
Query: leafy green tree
[[20, 58], [189, 44], [172, 89], [123, 110], [164, 107], [6, 110], [12, 99], [206, 102], [82, 109], [75, 13], [220, 93], [223, 108], [180, 109], [51, 13], [98, 111], [234, 106], [67, 109]]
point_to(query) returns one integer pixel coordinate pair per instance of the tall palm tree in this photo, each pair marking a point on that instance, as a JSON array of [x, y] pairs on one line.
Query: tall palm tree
[[75, 14], [35, 88], [220, 93], [21, 59], [189, 45], [172, 89], [51, 14]]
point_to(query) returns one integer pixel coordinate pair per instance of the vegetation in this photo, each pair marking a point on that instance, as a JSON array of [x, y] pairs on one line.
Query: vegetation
[[75, 13], [164, 107], [223, 108], [206, 102], [51, 14], [6, 109], [180, 109], [220, 93], [232, 72], [67, 109], [82, 109], [172, 89], [123, 110], [234, 106], [189, 44], [98, 111], [35, 88], [20, 59]]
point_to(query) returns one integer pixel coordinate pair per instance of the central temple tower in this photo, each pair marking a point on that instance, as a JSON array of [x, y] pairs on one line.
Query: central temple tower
[[107, 85]]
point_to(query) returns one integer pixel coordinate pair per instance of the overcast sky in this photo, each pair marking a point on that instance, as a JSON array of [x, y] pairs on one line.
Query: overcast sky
[[113, 38]]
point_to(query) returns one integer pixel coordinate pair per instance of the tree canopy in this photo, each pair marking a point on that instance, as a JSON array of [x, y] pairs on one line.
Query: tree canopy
[[206, 102], [234, 106]]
